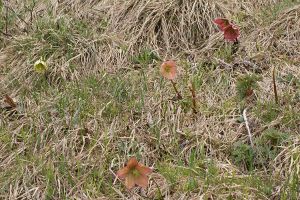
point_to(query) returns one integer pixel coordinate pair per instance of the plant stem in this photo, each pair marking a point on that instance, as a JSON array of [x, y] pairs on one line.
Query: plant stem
[[235, 47], [247, 127], [175, 88], [158, 188], [6, 20], [275, 86], [192, 89]]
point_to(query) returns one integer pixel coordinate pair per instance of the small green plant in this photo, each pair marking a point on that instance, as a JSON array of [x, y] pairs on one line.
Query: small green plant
[[267, 111], [246, 85], [145, 57], [243, 154], [273, 137], [267, 145], [225, 53]]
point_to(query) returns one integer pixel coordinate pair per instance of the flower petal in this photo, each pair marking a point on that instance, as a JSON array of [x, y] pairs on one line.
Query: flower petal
[[142, 181], [143, 169], [173, 73], [130, 181], [222, 23], [122, 173], [231, 33], [168, 69], [132, 163], [40, 66]]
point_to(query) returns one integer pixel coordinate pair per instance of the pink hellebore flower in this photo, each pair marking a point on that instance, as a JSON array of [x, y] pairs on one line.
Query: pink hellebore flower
[[168, 69]]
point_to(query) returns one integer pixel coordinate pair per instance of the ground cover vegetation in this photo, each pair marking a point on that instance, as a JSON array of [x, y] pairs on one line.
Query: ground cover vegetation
[[150, 99]]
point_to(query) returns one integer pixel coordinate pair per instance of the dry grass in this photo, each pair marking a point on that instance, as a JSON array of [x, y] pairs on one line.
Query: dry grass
[[103, 100], [281, 37], [165, 25]]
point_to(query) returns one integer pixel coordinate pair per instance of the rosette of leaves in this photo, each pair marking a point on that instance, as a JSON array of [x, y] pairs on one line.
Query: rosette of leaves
[[246, 85]]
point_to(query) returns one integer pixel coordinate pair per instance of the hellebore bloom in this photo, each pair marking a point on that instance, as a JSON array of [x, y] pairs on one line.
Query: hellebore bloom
[[40, 66], [231, 32], [168, 70], [134, 174], [222, 23]]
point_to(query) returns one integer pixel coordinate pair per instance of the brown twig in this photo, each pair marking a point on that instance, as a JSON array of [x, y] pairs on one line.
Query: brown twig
[[175, 88], [31, 9], [19, 17], [275, 86], [192, 89], [5, 34], [6, 20]]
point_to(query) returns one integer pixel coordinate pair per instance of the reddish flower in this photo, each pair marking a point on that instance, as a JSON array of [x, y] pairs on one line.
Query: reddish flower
[[222, 23], [231, 33], [168, 69], [134, 174]]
